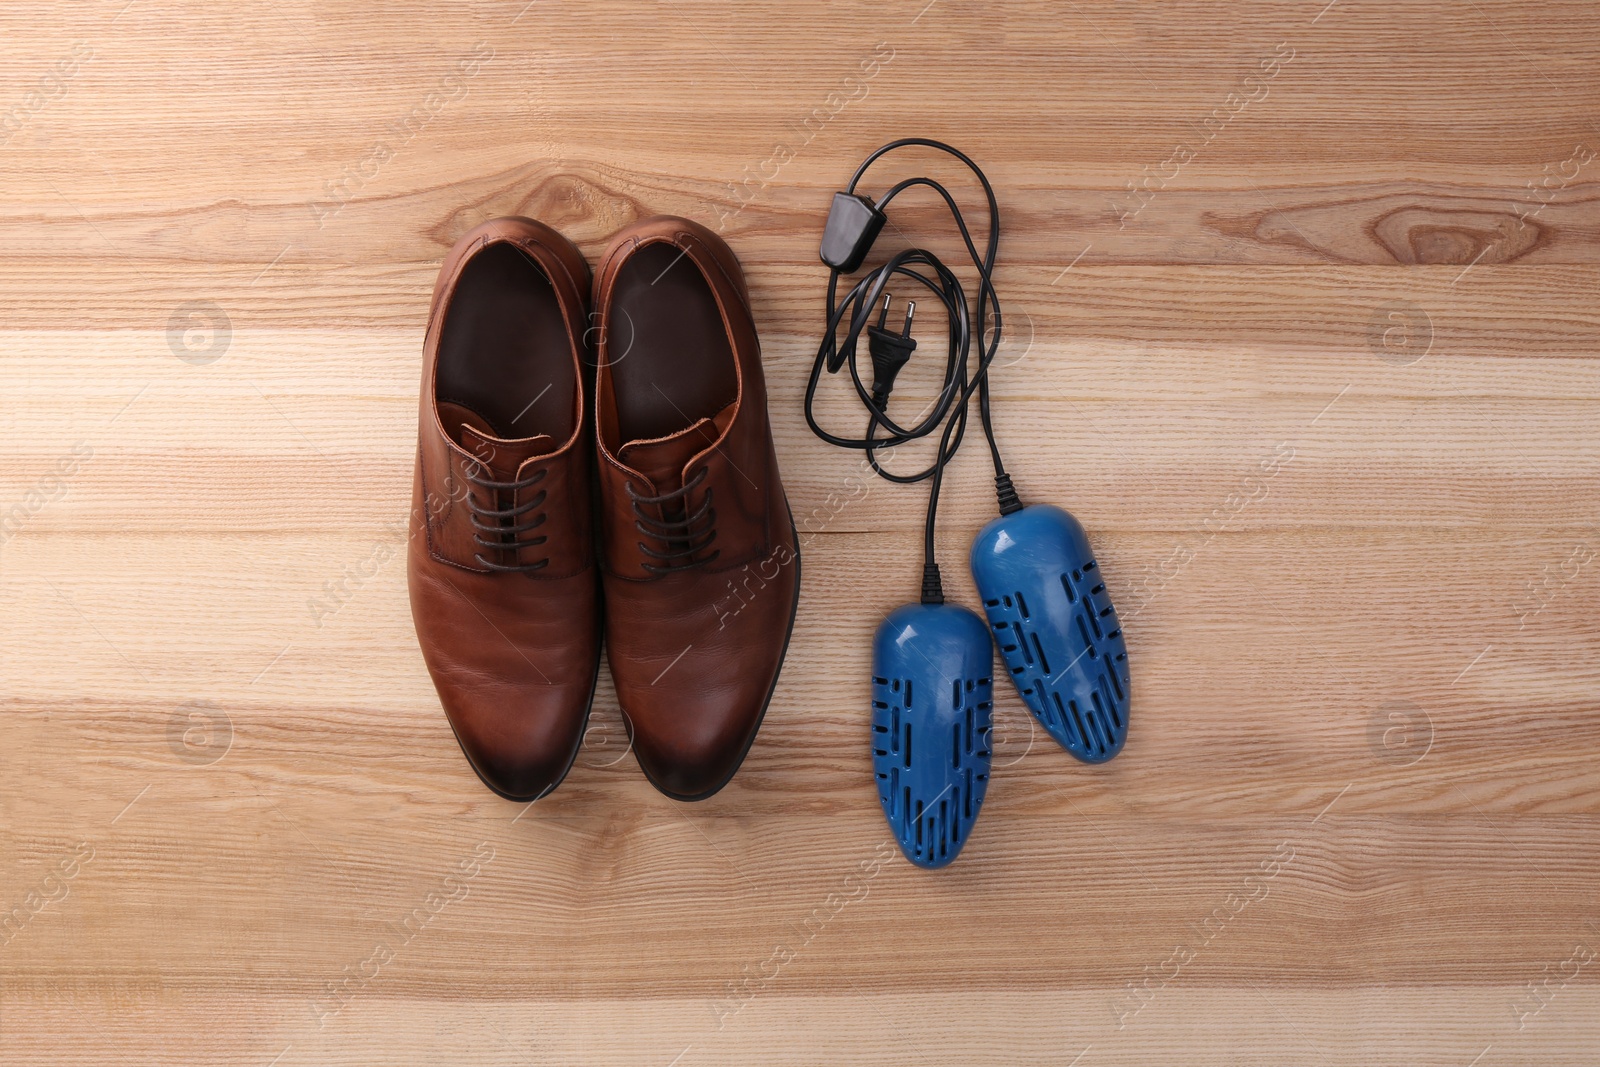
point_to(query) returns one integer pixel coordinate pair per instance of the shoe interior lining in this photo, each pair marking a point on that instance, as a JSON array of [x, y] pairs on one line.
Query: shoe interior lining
[[669, 358], [504, 350]]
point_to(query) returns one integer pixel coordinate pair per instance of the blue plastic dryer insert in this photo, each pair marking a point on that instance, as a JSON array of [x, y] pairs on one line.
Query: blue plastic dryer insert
[[1056, 627]]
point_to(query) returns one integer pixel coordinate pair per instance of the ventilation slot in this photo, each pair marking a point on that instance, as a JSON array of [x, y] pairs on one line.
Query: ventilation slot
[[1077, 720], [1108, 682], [1057, 715], [1044, 664], [944, 821], [1103, 734]]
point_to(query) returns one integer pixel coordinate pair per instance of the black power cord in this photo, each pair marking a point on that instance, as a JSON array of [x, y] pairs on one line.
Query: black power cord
[[853, 223]]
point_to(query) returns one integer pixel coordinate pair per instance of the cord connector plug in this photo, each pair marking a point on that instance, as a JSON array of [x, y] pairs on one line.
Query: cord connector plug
[[889, 351]]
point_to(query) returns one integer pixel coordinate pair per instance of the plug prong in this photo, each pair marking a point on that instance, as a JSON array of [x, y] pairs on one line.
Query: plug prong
[[911, 310], [883, 313]]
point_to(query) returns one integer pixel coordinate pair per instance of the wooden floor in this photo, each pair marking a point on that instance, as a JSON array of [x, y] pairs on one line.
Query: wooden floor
[[1303, 318]]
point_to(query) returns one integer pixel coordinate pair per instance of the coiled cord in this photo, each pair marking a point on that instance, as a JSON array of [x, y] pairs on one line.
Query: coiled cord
[[960, 380]]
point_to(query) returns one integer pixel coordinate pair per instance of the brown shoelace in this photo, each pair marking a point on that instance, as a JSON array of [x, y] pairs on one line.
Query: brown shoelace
[[506, 534], [678, 535]]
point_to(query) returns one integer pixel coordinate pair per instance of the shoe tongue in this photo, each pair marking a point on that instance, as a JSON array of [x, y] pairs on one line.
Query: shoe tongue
[[662, 459], [501, 455]]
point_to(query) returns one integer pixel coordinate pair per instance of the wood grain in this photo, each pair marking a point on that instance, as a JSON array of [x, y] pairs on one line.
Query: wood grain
[[1356, 818]]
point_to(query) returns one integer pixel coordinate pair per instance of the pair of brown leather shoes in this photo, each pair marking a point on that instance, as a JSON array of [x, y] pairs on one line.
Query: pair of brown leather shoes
[[695, 571]]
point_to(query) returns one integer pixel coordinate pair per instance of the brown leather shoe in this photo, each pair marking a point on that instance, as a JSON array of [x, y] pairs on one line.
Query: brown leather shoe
[[504, 587], [701, 566]]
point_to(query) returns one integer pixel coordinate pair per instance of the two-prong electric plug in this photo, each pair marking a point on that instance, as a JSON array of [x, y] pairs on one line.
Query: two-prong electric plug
[[890, 351]]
